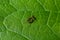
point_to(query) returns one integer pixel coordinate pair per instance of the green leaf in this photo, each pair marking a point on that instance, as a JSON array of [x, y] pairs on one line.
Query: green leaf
[[14, 24], [9, 35]]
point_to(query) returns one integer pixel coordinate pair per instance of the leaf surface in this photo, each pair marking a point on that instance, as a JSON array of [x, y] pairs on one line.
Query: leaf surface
[[15, 13]]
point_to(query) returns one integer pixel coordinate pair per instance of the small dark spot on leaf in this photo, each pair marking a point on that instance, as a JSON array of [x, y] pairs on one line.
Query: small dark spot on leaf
[[31, 19]]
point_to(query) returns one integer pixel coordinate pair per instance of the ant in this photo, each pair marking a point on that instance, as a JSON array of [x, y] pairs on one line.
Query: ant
[[31, 19]]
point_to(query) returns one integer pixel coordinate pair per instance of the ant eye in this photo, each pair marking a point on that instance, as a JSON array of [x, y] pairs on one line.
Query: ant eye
[[31, 19]]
